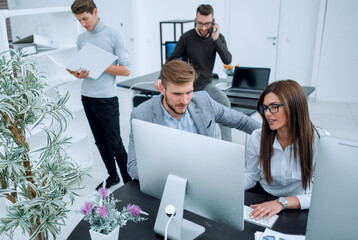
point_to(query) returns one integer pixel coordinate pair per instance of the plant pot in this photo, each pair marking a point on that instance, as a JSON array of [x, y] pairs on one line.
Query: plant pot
[[100, 236]]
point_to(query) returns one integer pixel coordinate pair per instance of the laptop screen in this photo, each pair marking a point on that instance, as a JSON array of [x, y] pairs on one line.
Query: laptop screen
[[251, 78]]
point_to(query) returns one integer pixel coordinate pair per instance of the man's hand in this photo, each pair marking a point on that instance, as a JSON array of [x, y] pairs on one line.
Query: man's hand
[[267, 208], [83, 74], [216, 31], [157, 84]]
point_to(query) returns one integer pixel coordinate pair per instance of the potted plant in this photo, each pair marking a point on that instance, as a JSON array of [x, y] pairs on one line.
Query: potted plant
[[229, 70], [104, 218], [34, 181]]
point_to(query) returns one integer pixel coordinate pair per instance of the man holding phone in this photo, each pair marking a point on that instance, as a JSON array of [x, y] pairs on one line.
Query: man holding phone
[[199, 46]]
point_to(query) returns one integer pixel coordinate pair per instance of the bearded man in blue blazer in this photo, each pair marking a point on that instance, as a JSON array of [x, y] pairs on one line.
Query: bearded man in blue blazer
[[178, 106]]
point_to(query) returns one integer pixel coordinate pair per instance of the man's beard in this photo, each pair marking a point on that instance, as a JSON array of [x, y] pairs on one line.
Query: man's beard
[[202, 34], [173, 108]]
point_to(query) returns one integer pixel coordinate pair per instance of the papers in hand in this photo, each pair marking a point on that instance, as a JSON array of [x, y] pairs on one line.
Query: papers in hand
[[91, 58]]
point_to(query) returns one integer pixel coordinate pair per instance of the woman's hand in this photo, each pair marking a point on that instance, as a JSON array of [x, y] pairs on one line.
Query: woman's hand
[[267, 208]]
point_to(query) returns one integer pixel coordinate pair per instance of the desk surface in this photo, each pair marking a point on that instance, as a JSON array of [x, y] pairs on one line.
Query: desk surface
[[289, 221], [145, 84]]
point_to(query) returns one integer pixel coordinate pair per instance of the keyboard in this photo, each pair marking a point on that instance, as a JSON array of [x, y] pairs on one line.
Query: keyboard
[[263, 222], [223, 86], [243, 94], [239, 90]]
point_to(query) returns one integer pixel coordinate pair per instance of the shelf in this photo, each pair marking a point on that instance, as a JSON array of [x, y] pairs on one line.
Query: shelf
[[59, 80], [178, 21], [58, 24], [61, 48], [181, 22], [5, 13], [60, 17]]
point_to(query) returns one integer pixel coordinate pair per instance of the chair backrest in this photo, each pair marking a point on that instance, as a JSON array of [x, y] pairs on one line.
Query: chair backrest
[[140, 98]]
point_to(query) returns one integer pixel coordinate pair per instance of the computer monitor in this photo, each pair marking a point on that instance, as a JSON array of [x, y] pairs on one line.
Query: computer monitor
[[169, 48], [203, 173], [333, 211], [252, 78]]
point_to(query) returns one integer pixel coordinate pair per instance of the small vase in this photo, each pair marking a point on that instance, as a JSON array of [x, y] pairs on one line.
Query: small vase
[[100, 236], [229, 80]]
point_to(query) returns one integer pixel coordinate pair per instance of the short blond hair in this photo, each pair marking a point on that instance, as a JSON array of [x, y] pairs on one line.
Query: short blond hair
[[177, 72]]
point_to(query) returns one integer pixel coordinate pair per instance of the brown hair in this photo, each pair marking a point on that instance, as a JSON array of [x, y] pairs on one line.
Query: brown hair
[[205, 9], [299, 125], [81, 6], [177, 72]]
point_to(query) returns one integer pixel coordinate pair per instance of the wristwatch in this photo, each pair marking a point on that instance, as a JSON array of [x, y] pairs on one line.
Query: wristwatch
[[283, 201]]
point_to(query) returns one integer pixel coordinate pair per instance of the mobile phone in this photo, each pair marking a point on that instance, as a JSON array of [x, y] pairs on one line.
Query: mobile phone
[[211, 28]]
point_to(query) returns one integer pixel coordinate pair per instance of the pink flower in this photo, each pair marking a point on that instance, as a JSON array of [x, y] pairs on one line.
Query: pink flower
[[103, 193], [134, 209], [102, 211], [87, 208]]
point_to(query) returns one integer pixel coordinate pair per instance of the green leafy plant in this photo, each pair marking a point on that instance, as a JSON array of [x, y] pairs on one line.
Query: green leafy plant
[[35, 181]]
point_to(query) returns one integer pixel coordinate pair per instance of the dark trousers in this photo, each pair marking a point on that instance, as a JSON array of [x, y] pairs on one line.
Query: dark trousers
[[103, 118]]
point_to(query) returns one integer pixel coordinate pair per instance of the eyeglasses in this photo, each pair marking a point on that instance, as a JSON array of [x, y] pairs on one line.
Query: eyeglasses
[[208, 24], [273, 108]]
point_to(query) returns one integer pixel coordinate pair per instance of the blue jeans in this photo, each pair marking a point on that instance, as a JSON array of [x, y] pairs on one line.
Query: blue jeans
[[103, 118]]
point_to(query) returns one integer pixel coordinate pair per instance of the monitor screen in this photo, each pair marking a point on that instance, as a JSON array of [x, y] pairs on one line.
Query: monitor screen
[[169, 48], [251, 78], [212, 169], [333, 211]]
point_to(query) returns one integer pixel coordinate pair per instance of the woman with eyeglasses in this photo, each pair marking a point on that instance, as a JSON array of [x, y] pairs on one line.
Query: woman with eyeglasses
[[281, 156]]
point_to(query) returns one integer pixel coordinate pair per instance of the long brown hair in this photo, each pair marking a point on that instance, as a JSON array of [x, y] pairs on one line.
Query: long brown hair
[[299, 125]]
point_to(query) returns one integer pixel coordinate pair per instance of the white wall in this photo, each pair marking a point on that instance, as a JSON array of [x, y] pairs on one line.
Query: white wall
[[145, 25], [338, 61], [20, 4], [297, 32], [296, 43], [334, 69]]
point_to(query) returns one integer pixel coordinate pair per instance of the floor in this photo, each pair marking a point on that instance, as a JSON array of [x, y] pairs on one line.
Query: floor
[[339, 119]]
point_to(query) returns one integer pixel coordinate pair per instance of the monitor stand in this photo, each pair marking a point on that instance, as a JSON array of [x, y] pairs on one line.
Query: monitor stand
[[179, 228]]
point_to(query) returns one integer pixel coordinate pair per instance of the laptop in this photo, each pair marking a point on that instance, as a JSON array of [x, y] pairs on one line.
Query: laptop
[[249, 82]]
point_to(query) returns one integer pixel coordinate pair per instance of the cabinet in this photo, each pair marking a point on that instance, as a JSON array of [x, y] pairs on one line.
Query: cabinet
[[58, 24]]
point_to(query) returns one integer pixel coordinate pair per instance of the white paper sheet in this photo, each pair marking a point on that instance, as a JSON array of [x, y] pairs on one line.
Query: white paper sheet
[[279, 236], [91, 58]]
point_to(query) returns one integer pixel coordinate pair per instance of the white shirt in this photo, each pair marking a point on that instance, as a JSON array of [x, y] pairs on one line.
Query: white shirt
[[285, 171]]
